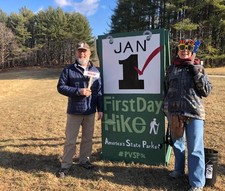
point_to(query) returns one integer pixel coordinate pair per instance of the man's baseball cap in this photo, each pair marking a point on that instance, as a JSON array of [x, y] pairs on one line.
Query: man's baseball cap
[[83, 45]]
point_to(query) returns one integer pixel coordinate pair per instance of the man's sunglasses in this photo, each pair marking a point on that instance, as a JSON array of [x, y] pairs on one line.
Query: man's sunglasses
[[183, 47]]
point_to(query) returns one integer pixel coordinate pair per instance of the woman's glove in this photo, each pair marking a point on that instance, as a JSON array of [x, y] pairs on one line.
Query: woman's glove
[[200, 68], [193, 70]]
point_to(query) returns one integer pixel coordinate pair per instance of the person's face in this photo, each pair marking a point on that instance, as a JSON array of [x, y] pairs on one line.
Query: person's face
[[184, 54], [83, 53], [83, 56], [185, 51]]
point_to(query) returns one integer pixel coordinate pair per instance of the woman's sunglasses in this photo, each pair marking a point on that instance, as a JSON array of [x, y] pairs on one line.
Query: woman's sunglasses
[[183, 47]]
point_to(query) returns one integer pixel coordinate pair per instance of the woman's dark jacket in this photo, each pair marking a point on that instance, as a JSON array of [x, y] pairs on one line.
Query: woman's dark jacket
[[69, 84], [184, 89]]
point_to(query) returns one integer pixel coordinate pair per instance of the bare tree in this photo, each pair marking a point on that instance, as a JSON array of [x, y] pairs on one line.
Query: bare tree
[[7, 45]]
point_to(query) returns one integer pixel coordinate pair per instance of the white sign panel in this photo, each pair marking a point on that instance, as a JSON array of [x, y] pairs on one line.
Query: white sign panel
[[132, 65]]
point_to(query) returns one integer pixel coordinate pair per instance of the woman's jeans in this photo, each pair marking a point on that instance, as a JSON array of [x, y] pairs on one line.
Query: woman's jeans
[[194, 130]]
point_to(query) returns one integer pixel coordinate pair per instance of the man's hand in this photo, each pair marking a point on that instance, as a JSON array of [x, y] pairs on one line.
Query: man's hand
[[100, 115], [85, 92]]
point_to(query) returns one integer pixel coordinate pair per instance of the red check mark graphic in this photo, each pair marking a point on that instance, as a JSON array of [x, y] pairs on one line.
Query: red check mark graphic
[[151, 56]]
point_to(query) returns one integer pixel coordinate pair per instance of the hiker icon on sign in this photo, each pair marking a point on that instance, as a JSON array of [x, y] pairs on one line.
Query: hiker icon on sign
[[154, 127]]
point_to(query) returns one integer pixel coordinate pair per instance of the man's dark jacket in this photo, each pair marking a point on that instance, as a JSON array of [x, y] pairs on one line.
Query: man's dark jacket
[[70, 82]]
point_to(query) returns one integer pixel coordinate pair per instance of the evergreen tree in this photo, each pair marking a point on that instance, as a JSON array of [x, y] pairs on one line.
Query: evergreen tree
[[78, 28], [56, 32], [183, 18], [3, 16], [19, 24], [50, 25]]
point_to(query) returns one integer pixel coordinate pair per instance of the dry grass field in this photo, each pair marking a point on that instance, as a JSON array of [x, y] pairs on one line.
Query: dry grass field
[[32, 124]]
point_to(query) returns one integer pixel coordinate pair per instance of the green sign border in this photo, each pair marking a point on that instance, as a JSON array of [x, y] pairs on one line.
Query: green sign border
[[108, 152]]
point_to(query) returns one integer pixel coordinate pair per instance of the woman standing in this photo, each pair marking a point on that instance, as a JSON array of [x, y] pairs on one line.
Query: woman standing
[[185, 85]]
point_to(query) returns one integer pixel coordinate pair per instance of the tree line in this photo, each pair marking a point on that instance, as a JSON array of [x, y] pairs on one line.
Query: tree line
[[49, 36], [46, 38], [203, 19]]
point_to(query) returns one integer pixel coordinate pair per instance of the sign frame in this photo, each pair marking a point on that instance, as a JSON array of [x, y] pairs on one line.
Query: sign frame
[[128, 134]]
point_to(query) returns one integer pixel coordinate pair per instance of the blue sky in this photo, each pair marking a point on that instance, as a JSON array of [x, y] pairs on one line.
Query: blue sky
[[98, 12]]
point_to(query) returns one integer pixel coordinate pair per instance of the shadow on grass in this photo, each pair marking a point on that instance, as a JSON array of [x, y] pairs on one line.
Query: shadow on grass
[[116, 173], [124, 175], [221, 169], [28, 162], [150, 177], [140, 176], [30, 142], [33, 142], [32, 139], [33, 162]]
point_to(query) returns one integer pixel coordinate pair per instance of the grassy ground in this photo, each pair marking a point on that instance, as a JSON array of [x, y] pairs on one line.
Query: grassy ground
[[216, 71], [32, 135]]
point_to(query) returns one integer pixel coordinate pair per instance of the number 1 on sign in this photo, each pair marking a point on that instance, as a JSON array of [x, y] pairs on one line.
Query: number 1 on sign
[[130, 75]]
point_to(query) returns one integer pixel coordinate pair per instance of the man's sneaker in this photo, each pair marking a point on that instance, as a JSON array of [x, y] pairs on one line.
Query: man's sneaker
[[62, 172], [86, 165], [176, 174], [196, 189]]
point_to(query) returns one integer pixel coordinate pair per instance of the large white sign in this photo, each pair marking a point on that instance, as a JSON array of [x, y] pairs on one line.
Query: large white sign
[[132, 64]]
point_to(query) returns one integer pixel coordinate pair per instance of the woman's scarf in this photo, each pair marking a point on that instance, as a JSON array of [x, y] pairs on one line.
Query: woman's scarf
[[178, 61]]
